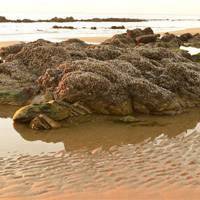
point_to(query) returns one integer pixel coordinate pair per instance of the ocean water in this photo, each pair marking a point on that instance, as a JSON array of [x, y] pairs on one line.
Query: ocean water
[[33, 31]]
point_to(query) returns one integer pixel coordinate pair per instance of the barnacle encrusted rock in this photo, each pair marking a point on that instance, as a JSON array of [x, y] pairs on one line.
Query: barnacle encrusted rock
[[120, 76]]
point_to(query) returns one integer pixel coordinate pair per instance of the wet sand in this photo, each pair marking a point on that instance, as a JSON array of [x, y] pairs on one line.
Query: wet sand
[[8, 43], [102, 159], [154, 169]]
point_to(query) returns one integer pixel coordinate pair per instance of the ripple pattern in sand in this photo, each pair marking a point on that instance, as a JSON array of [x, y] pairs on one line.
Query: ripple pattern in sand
[[158, 163]]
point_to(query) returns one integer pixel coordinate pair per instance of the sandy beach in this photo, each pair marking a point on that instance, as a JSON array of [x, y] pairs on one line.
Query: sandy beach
[[189, 30], [94, 39], [93, 156], [8, 43], [102, 39]]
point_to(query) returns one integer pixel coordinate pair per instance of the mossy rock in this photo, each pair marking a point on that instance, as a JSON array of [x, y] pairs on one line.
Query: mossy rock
[[52, 109], [13, 97], [196, 57]]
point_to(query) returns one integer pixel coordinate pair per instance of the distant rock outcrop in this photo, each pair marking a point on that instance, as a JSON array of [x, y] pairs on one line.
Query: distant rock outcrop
[[117, 27], [71, 19], [63, 27]]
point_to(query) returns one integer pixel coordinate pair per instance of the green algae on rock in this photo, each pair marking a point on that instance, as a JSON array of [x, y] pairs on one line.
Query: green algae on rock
[[45, 116], [196, 57], [52, 109], [15, 97]]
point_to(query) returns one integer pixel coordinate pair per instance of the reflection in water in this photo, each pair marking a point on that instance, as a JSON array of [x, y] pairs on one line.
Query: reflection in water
[[191, 50], [102, 131], [7, 111], [89, 132]]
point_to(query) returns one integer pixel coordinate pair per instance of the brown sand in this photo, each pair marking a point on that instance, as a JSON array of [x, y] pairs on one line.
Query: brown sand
[[189, 30], [94, 39], [122, 194], [8, 43]]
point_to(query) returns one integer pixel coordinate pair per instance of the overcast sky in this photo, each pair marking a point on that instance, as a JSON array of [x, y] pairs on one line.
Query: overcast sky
[[190, 7]]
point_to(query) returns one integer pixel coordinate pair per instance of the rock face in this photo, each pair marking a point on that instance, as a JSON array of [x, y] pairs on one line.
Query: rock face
[[43, 122], [146, 38], [194, 41], [196, 57], [145, 80], [24, 63], [186, 36], [129, 38], [117, 77]]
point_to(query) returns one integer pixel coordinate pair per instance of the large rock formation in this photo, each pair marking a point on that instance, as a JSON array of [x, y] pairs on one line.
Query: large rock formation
[[146, 80], [120, 76]]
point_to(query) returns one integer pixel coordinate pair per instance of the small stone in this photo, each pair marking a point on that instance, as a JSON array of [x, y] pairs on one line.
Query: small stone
[[97, 150], [50, 121], [128, 119], [38, 124], [43, 122]]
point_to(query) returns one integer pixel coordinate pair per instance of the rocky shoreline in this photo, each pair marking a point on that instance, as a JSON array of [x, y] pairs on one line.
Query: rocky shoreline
[[137, 71], [71, 19], [3, 19]]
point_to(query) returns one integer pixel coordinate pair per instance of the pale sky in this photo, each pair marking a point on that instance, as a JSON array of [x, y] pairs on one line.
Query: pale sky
[[188, 7]]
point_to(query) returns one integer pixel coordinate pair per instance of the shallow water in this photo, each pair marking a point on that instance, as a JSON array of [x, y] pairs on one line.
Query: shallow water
[[32, 31], [98, 155], [191, 50]]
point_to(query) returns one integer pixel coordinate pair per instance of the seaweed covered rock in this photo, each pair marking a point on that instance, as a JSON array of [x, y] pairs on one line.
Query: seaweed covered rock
[[16, 97], [16, 83], [52, 109], [185, 37], [196, 57], [169, 40], [45, 116], [194, 41]]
